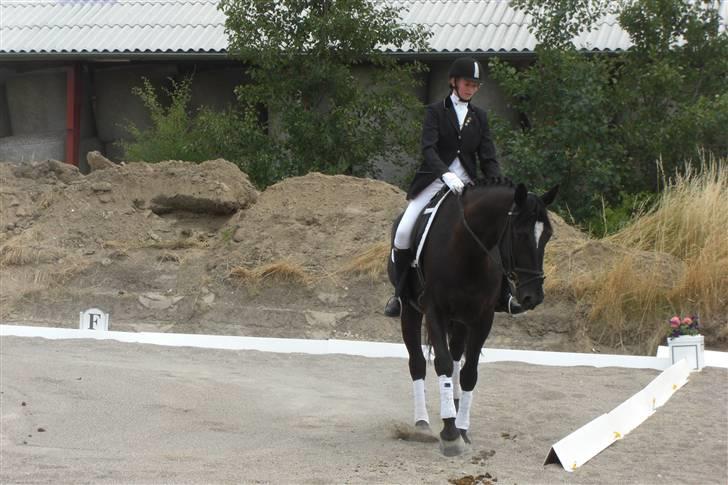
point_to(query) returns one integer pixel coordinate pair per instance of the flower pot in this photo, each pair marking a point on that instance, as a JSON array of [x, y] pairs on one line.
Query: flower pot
[[690, 347]]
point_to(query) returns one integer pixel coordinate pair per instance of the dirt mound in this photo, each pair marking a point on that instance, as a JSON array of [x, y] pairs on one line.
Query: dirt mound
[[162, 248], [318, 221]]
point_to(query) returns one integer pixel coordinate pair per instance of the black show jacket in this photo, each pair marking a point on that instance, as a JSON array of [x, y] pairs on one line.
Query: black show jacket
[[443, 140]]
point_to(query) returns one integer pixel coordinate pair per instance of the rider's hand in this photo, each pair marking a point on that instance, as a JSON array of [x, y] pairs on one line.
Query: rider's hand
[[453, 182]]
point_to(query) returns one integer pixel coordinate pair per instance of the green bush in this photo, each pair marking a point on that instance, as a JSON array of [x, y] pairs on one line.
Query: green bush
[[178, 132]]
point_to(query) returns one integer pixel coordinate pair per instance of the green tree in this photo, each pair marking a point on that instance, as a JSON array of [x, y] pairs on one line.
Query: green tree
[[568, 138], [673, 87], [308, 61], [600, 123]]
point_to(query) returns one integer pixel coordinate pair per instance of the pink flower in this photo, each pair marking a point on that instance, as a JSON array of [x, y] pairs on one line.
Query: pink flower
[[675, 322], [687, 321]]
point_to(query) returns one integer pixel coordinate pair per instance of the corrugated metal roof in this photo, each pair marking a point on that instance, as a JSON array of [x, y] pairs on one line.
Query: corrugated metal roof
[[197, 26]]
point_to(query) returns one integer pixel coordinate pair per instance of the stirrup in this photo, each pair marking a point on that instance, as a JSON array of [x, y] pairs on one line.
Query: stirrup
[[393, 308], [514, 308]]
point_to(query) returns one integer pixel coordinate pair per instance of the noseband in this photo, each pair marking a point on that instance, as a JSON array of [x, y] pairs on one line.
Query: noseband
[[504, 245]]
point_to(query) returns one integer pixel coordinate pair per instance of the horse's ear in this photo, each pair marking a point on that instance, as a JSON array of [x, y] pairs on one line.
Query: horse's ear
[[549, 196], [521, 194]]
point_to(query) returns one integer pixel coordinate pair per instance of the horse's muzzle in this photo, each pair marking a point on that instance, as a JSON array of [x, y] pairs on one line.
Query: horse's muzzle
[[529, 302]]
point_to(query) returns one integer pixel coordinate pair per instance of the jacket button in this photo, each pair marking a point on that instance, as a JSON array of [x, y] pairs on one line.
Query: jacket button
[[458, 152]]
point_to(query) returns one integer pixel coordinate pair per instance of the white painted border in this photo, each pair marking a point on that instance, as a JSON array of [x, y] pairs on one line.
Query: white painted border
[[349, 347]]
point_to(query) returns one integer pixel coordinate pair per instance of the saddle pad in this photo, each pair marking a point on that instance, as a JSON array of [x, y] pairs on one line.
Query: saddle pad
[[424, 221]]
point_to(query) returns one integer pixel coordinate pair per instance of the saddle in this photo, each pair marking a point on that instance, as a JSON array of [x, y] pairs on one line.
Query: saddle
[[422, 227]]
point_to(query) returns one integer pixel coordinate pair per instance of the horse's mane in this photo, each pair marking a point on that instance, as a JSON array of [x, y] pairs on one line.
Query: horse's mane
[[494, 182]]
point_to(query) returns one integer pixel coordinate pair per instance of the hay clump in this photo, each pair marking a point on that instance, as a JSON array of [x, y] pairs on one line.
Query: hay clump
[[279, 271]]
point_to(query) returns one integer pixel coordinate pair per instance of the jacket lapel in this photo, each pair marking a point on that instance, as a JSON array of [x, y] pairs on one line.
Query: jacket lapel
[[451, 115]]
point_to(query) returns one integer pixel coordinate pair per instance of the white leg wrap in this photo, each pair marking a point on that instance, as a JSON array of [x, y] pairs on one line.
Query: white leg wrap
[[447, 404], [462, 421], [418, 388], [456, 391]]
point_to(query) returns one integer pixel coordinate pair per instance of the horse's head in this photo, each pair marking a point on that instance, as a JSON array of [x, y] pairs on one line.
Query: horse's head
[[524, 244]]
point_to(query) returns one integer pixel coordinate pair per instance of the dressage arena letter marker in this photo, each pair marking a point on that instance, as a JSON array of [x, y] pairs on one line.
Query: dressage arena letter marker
[[589, 440], [94, 319]]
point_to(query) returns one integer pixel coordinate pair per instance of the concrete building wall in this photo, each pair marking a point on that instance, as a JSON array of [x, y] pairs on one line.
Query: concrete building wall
[[33, 108], [115, 105], [5, 129], [215, 88]]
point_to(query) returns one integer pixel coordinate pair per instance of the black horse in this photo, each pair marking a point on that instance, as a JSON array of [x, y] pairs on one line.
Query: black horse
[[493, 228]]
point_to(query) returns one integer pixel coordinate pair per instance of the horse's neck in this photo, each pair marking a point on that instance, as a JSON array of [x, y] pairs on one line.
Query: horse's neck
[[486, 211]]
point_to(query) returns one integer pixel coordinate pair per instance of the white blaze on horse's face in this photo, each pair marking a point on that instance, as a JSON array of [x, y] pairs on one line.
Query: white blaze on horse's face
[[537, 231]]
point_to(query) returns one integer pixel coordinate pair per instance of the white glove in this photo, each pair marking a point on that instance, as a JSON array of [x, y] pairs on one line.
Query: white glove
[[453, 182]]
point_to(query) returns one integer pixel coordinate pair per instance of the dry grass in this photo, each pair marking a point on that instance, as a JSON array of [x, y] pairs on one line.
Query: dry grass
[[17, 255], [370, 263], [176, 244], [689, 222], [284, 271], [169, 245]]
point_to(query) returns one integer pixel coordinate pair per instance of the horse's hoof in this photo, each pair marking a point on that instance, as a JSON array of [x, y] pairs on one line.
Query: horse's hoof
[[423, 432], [452, 448], [464, 435]]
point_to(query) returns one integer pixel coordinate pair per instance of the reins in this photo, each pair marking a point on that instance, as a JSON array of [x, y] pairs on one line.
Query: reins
[[511, 272]]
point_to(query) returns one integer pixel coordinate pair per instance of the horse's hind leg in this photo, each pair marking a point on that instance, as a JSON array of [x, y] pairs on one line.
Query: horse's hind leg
[[412, 335], [451, 443]]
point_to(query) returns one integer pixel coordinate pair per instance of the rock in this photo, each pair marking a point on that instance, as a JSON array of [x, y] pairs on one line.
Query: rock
[[239, 235], [101, 187], [328, 298], [155, 301], [96, 161], [323, 319], [64, 172]]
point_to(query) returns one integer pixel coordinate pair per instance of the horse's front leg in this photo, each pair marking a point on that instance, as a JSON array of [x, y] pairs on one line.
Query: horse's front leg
[[458, 335], [412, 336], [469, 373], [451, 444]]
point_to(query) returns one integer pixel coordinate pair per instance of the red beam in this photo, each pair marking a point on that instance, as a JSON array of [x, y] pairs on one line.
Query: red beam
[[73, 112]]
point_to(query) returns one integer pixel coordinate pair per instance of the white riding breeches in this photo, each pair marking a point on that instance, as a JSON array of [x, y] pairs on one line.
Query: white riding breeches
[[403, 236]]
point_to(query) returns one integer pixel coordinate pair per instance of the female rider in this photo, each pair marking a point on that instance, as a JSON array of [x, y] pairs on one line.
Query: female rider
[[454, 134]]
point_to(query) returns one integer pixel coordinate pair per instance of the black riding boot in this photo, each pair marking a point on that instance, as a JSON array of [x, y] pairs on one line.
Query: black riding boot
[[507, 302], [402, 262]]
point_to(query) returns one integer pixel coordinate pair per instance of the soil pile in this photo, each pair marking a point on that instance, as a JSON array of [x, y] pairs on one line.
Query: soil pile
[[161, 246]]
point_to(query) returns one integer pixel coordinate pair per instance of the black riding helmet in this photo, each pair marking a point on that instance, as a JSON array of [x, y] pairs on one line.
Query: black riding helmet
[[466, 68]]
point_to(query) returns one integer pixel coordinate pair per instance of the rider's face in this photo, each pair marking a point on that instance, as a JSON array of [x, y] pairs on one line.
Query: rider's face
[[466, 88]]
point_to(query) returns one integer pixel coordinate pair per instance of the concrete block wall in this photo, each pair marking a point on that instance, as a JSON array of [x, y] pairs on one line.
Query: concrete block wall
[[33, 114]]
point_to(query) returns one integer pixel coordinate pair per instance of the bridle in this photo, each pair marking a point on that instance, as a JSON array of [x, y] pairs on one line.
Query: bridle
[[504, 245]]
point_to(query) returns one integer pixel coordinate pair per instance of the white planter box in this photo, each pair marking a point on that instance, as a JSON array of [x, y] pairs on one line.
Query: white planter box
[[690, 347]]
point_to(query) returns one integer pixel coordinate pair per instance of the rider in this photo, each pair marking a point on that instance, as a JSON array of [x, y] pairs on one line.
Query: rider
[[454, 133]]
